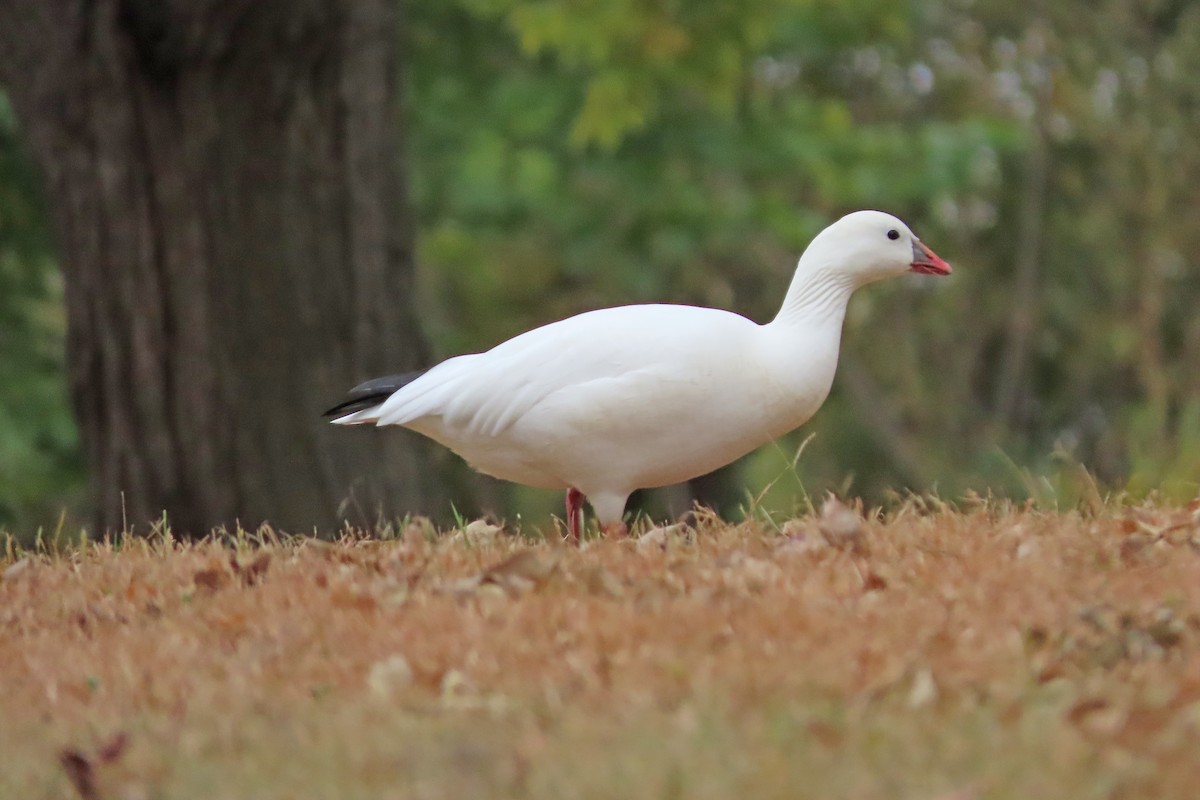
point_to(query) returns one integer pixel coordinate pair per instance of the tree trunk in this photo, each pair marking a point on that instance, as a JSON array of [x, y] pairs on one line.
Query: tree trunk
[[225, 183]]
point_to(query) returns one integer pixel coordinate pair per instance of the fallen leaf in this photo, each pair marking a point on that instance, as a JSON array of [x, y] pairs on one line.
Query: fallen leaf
[[600, 581], [212, 578], [15, 569], [1036, 637], [1140, 725], [493, 594], [527, 569], [1167, 632], [136, 587], [1133, 548], [389, 675], [656, 538], [1109, 652], [345, 597], [460, 586], [1051, 672], [1081, 709], [1096, 618], [756, 573], [254, 571], [1096, 716], [80, 773], [456, 685], [797, 541], [233, 622], [842, 526], [924, 689], [111, 750], [873, 581], [1010, 713], [829, 735], [479, 532]]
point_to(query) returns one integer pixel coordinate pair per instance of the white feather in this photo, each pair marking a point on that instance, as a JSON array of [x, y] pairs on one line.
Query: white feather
[[638, 396]]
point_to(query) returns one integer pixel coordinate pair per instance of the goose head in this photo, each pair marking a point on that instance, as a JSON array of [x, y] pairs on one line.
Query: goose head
[[867, 246]]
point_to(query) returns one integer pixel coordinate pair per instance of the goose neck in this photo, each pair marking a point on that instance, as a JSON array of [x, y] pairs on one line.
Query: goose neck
[[816, 295]]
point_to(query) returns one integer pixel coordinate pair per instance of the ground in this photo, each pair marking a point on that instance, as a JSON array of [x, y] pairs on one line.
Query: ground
[[983, 651]]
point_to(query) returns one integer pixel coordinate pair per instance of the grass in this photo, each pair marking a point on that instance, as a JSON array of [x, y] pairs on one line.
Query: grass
[[934, 653]]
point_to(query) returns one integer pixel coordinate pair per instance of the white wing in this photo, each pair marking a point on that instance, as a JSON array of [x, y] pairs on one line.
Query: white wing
[[483, 394]]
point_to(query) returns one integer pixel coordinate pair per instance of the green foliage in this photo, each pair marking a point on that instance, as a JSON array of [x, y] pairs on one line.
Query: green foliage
[[570, 154], [596, 171], [40, 468]]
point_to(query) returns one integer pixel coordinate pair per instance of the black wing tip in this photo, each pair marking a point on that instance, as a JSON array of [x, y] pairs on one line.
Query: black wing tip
[[371, 393], [350, 407]]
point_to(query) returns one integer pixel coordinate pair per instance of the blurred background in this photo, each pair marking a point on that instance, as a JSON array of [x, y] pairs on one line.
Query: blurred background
[[209, 213]]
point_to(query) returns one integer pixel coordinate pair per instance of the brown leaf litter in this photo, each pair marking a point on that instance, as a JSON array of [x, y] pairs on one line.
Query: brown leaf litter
[[924, 611]]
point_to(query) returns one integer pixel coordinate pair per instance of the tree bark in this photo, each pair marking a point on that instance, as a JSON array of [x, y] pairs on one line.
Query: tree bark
[[226, 188]]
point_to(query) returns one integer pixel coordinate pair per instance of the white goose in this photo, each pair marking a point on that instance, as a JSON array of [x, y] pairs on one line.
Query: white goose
[[618, 399]]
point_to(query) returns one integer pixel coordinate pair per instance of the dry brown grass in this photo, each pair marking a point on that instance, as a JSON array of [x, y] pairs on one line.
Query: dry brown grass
[[987, 653]]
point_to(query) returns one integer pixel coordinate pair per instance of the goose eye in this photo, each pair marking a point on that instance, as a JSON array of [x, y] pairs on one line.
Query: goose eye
[[893, 234]]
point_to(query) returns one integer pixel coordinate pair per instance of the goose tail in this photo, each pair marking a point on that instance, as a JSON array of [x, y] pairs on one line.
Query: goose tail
[[362, 404]]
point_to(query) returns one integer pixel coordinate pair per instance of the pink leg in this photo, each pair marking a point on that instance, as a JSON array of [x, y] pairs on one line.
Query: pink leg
[[575, 500]]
